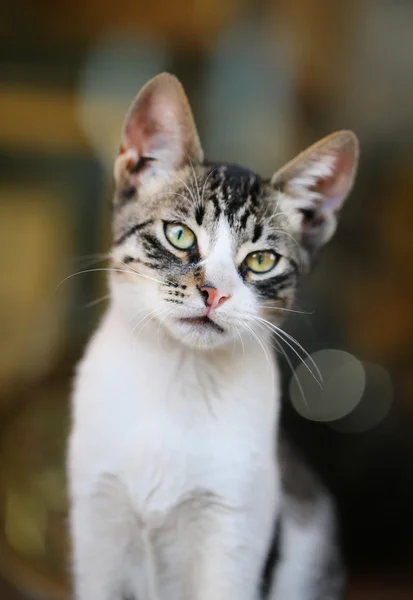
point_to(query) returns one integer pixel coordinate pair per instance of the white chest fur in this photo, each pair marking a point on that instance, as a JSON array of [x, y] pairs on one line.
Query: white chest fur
[[168, 424]]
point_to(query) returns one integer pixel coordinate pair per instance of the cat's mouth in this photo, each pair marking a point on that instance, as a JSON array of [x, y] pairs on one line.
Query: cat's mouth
[[204, 322]]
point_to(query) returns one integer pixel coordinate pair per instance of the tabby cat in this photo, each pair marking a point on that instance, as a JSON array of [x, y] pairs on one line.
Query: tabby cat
[[178, 479]]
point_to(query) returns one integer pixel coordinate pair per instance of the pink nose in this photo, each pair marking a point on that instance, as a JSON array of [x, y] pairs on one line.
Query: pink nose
[[213, 297]]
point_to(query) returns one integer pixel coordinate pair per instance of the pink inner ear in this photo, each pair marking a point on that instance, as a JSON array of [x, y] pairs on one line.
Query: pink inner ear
[[159, 126], [334, 187], [147, 126], [153, 130]]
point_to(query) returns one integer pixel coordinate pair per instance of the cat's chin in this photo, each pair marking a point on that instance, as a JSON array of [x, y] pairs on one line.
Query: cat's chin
[[198, 332]]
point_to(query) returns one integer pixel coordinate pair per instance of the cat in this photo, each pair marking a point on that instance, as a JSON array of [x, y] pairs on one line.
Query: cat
[[178, 478]]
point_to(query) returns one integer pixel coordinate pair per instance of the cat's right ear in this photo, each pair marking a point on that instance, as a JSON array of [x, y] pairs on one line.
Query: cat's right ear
[[159, 135]]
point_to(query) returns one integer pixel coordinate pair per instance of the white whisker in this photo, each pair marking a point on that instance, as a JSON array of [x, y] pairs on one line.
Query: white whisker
[[233, 346], [300, 266], [91, 259], [187, 187], [293, 371], [279, 347], [167, 193], [205, 182], [97, 301], [241, 340], [139, 272], [135, 337], [154, 314], [148, 314], [269, 363], [142, 310], [298, 312], [280, 332], [161, 321], [195, 180], [310, 358], [90, 271]]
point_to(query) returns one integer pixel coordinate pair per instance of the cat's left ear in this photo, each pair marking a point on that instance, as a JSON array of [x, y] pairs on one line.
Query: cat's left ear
[[159, 135], [316, 183]]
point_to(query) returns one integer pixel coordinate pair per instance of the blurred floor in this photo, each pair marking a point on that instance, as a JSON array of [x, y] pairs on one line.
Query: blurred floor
[[363, 588], [377, 588]]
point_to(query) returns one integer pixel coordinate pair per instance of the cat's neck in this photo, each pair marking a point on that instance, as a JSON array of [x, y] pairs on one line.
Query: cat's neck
[[156, 369], [151, 337]]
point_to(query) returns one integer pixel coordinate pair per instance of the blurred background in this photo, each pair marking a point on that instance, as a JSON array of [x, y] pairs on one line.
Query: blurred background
[[265, 78]]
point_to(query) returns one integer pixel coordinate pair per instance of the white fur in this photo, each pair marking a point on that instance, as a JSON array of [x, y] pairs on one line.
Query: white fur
[[321, 167], [173, 477], [220, 267], [174, 486], [306, 552], [158, 427]]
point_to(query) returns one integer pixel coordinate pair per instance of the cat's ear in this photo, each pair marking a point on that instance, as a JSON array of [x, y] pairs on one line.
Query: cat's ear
[[159, 134], [316, 183]]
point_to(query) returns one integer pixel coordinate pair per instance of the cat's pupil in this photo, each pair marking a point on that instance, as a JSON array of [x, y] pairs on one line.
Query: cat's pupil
[[180, 233]]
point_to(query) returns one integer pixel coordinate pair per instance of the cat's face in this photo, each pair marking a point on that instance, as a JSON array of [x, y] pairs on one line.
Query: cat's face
[[217, 251], [213, 252]]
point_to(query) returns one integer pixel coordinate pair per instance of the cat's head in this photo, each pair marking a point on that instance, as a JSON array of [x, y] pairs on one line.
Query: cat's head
[[209, 250]]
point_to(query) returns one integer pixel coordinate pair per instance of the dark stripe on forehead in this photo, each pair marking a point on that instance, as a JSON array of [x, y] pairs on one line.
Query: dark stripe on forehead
[[199, 213], [181, 210], [230, 169], [244, 219], [217, 207], [254, 190], [132, 231], [243, 193], [235, 186], [257, 232]]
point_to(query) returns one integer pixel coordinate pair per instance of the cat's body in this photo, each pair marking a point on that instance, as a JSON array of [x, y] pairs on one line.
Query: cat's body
[[176, 479], [166, 459]]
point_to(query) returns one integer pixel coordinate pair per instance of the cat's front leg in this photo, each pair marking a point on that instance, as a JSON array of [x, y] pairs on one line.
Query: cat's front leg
[[96, 562], [232, 556], [214, 548], [103, 533]]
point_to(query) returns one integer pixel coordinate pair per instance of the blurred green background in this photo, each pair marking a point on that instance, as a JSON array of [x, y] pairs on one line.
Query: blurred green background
[[265, 79]]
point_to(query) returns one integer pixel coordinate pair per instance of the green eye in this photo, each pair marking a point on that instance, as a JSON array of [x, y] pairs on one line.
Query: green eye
[[261, 261], [180, 236]]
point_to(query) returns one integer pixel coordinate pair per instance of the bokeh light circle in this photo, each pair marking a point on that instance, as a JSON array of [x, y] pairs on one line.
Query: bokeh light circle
[[374, 405], [339, 392]]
